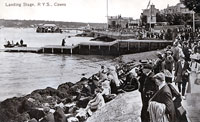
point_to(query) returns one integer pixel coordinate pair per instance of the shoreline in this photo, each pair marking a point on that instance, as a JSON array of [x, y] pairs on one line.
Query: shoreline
[[61, 99]]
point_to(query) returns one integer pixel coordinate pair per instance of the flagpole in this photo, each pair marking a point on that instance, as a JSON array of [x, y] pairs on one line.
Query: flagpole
[[107, 14], [193, 21], [150, 18]]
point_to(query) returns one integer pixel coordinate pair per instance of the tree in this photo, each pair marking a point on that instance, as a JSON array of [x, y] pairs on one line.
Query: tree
[[192, 5], [168, 35], [144, 20], [160, 17], [178, 19], [170, 19]]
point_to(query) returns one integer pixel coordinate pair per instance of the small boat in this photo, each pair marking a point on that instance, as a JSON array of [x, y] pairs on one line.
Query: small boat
[[8, 46], [103, 38], [14, 45]]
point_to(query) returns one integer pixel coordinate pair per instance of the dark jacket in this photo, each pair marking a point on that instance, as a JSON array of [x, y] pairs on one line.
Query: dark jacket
[[186, 52], [180, 72], [164, 96], [176, 95], [177, 104], [148, 89], [158, 67], [168, 63]]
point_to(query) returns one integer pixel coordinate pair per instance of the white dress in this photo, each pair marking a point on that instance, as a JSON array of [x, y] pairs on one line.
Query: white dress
[[106, 87]]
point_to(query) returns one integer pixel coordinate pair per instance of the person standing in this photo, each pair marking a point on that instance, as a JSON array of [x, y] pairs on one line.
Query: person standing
[[148, 89], [169, 60], [63, 42], [177, 52], [176, 97], [168, 64], [186, 51], [158, 63], [21, 42], [163, 96], [182, 73]]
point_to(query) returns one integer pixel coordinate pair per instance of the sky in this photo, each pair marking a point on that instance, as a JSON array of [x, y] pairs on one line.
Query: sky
[[76, 10]]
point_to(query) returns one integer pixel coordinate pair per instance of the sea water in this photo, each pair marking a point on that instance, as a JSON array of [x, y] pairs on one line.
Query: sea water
[[21, 73]]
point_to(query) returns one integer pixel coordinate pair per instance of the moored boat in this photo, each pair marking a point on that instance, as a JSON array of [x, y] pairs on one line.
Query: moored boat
[[14, 45]]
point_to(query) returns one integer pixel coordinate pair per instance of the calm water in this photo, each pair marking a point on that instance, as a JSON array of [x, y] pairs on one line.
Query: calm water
[[21, 73]]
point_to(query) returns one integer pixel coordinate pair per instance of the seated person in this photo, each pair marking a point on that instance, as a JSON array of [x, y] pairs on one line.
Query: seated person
[[17, 43], [95, 103], [86, 90], [112, 71], [106, 93], [102, 72], [131, 83], [8, 43]]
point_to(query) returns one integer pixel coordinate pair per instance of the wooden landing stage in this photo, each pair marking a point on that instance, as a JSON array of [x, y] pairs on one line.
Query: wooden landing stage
[[22, 49], [57, 49], [115, 48]]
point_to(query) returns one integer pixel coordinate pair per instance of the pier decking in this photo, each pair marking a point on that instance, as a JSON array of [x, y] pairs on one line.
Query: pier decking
[[115, 48], [22, 49]]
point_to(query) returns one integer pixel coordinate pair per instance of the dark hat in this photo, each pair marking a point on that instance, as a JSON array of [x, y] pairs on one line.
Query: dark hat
[[185, 43]]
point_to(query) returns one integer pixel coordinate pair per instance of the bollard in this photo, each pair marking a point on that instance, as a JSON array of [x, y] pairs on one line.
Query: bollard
[[128, 46], [52, 50]]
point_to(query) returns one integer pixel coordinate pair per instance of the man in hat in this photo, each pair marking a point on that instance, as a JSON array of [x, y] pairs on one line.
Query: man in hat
[[158, 63], [168, 65], [182, 73], [164, 96], [147, 90], [186, 51], [177, 51]]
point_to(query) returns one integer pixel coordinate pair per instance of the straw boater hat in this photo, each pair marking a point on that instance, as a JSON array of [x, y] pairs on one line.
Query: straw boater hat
[[169, 52]]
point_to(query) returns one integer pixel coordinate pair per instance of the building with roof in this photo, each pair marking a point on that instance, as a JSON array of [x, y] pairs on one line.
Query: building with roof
[[134, 23], [177, 9], [48, 28], [115, 22], [150, 13]]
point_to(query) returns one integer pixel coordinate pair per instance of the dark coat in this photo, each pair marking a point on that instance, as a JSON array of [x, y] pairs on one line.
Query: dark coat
[[164, 96], [168, 63], [186, 52], [180, 72], [158, 67], [177, 104], [141, 81], [149, 88]]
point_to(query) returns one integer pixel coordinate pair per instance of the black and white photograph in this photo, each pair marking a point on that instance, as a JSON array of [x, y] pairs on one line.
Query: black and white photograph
[[100, 61]]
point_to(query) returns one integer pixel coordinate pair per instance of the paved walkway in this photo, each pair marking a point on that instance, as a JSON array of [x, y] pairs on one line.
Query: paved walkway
[[192, 102], [126, 107]]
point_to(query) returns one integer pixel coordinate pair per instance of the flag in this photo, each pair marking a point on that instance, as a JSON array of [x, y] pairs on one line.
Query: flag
[[148, 4]]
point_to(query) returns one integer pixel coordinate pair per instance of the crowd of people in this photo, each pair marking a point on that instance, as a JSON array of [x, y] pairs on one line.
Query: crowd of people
[[161, 102], [172, 65]]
